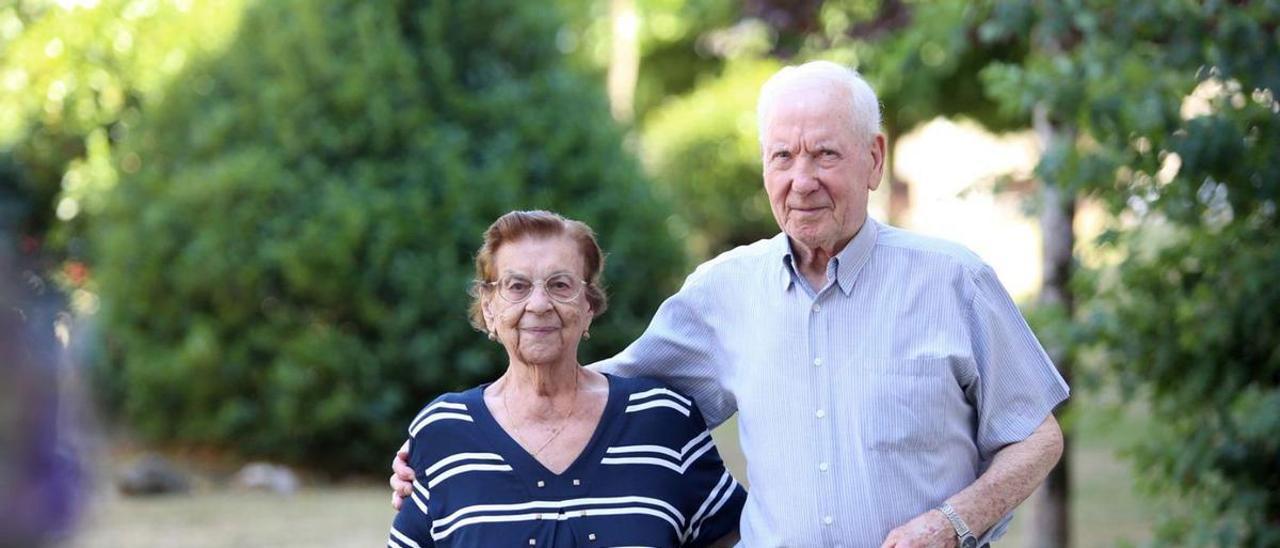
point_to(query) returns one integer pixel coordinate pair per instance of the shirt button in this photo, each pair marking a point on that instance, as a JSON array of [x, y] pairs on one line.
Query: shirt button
[[817, 307], [532, 542], [820, 413], [591, 536], [577, 482], [823, 466], [542, 483], [828, 520], [817, 361]]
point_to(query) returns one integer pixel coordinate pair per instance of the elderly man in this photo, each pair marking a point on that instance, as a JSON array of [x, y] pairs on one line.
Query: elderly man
[[888, 391]]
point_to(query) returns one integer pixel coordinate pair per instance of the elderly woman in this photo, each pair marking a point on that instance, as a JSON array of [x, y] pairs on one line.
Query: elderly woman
[[552, 454]]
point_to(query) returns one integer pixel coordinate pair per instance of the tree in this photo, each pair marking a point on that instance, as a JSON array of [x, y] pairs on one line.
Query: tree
[[1177, 123], [76, 79], [290, 262]]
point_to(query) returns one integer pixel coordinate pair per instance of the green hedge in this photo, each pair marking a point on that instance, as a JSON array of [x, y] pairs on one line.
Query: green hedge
[[703, 149], [284, 272]]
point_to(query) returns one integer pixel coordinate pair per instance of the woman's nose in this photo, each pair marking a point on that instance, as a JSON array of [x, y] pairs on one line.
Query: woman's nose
[[539, 300]]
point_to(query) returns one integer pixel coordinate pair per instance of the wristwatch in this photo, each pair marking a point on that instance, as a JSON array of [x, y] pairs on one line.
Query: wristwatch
[[964, 536]]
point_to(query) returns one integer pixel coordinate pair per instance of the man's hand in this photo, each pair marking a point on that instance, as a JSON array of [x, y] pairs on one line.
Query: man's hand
[[401, 476], [928, 530]]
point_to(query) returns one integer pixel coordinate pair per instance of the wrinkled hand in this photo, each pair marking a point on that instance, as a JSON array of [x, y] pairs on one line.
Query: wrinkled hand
[[401, 476], [928, 530]]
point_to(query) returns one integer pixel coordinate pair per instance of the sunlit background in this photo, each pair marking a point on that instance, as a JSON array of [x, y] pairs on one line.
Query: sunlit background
[[235, 235]]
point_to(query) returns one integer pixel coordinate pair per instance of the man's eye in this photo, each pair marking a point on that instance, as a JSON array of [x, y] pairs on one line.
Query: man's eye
[[828, 153], [781, 155]]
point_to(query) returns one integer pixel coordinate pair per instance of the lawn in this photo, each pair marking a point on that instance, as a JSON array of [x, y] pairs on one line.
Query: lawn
[[1106, 509]]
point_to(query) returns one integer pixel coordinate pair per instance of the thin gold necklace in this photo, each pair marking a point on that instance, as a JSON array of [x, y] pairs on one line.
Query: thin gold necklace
[[564, 422]]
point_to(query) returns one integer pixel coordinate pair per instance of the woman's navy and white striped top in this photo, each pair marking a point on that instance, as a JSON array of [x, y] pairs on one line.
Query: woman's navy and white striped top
[[650, 476]]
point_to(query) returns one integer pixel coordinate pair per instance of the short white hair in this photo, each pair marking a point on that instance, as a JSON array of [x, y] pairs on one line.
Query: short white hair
[[864, 107]]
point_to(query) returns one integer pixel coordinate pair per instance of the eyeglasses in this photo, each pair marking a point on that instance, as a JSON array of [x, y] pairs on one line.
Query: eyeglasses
[[561, 288]]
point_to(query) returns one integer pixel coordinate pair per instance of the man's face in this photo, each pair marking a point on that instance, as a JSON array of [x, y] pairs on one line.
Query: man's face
[[817, 171]]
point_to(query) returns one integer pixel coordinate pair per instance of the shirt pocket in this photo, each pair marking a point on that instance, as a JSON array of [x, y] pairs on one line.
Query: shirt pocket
[[900, 403]]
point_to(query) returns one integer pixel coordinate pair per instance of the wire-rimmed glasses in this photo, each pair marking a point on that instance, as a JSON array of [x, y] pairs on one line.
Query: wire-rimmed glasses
[[562, 288]]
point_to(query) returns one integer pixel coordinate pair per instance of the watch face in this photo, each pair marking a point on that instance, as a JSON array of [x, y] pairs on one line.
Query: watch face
[[969, 542]]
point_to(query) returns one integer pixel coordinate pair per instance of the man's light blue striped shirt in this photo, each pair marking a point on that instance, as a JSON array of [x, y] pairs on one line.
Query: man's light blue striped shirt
[[860, 405]]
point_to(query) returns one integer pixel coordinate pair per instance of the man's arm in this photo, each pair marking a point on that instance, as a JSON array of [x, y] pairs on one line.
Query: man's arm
[[1015, 472]]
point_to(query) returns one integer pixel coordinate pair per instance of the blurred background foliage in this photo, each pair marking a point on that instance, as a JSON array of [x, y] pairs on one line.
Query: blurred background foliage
[[275, 202]]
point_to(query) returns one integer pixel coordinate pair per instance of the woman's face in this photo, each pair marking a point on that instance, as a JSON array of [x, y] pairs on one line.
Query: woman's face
[[539, 330]]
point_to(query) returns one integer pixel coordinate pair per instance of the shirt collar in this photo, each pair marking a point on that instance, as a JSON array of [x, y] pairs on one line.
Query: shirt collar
[[848, 263]]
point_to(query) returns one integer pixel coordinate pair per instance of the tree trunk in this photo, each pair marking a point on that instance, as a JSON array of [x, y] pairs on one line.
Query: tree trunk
[[1057, 217], [624, 60]]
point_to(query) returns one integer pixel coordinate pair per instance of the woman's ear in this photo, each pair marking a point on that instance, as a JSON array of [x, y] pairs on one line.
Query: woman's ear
[[487, 312]]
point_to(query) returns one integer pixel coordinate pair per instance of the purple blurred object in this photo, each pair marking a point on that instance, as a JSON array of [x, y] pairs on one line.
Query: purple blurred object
[[42, 481]]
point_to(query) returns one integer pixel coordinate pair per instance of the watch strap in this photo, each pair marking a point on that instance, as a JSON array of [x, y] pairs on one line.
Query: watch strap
[[963, 534]]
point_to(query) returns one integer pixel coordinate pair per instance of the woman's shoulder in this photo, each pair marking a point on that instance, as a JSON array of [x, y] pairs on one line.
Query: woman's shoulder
[[450, 406], [648, 387], [656, 399]]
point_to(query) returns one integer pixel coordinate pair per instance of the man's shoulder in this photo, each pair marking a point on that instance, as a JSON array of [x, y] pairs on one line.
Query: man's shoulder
[[756, 255], [923, 247]]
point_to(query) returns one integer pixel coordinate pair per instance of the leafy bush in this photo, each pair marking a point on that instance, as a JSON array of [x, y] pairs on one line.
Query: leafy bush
[[703, 150], [286, 271], [76, 78]]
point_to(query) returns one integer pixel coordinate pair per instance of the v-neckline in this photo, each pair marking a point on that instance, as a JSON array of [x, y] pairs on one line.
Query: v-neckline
[[520, 459]]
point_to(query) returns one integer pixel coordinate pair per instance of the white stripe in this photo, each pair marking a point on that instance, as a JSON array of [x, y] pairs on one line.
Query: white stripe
[[392, 544], [723, 499], [558, 505], [426, 495], [466, 468], [697, 516], [642, 460], [421, 505], [644, 449], [659, 448], [400, 536], [658, 403], [460, 456], [438, 417], [681, 467], [433, 407], [555, 516], [657, 391]]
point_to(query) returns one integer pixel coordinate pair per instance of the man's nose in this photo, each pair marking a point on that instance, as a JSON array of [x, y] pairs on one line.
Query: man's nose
[[805, 179]]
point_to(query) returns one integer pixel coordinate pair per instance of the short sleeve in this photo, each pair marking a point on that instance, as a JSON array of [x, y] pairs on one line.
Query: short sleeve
[[1017, 386], [680, 349], [721, 498], [411, 527]]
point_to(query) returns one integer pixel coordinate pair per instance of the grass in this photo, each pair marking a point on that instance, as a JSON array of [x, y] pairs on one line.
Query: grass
[[1106, 510], [331, 516]]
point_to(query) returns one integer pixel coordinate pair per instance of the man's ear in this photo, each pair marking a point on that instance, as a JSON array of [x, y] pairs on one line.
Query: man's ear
[[877, 151]]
